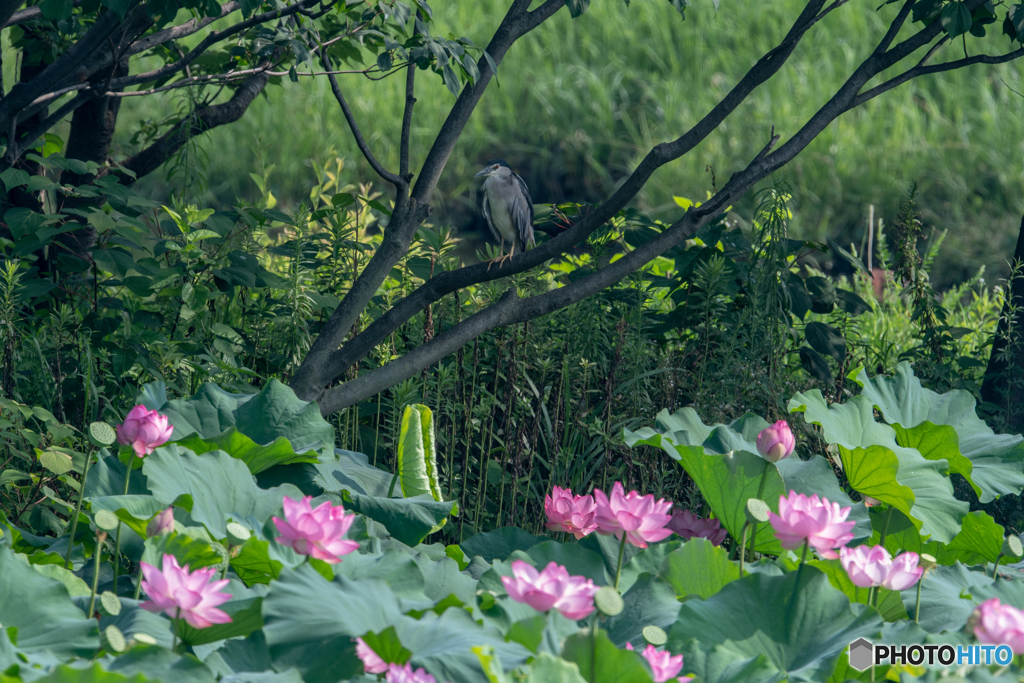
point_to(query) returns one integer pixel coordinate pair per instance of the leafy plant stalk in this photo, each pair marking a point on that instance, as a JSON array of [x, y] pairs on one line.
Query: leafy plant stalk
[[78, 509]]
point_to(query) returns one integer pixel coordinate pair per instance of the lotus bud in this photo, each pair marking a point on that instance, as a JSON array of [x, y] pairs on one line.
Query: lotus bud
[[776, 442], [163, 523]]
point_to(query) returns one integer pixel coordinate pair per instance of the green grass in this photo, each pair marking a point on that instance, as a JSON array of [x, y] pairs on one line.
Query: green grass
[[580, 101]]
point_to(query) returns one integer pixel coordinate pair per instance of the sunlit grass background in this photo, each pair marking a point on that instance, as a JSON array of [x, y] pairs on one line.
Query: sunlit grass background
[[580, 101]]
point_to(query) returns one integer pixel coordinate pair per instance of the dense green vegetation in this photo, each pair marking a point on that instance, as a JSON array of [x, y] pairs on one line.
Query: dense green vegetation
[[581, 101]]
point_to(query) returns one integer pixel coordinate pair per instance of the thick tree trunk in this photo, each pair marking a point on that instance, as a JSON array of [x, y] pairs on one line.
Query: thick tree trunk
[[1004, 377]]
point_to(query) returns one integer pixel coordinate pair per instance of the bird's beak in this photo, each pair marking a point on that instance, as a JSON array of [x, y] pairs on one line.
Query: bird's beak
[[483, 173]]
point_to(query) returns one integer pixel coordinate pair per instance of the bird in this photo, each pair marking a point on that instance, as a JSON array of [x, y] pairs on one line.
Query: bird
[[508, 208]]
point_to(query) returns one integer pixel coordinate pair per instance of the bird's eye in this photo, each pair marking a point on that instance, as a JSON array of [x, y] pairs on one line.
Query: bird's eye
[[495, 167]]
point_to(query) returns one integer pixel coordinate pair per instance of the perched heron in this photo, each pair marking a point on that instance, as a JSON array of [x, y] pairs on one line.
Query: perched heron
[[507, 207]]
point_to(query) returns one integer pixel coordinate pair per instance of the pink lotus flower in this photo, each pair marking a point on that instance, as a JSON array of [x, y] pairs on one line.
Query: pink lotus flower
[[689, 525], [870, 502], [144, 430], [569, 513], [552, 588], [405, 674], [904, 572], [868, 567], [163, 523], [998, 624], [372, 663], [820, 523], [317, 533], [776, 442], [183, 595], [642, 519], [663, 664]]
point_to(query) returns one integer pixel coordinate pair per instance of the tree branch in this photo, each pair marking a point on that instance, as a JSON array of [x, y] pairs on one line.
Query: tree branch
[[410, 210], [8, 10], [387, 175], [510, 309], [922, 70], [895, 27], [449, 281], [176, 32], [410, 100], [149, 159]]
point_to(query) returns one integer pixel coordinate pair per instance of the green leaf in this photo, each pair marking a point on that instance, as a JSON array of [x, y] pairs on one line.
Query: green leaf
[[721, 460], [253, 563], [499, 544], [257, 458], [90, 674], [42, 611], [410, 520], [23, 222], [220, 486], [263, 417], [55, 461], [800, 637], [997, 460], [826, 340], [599, 661], [877, 466], [577, 7], [956, 19], [550, 669], [699, 569], [417, 463], [948, 597], [159, 664], [650, 601], [815, 364], [14, 177], [890, 603], [195, 552], [302, 603]]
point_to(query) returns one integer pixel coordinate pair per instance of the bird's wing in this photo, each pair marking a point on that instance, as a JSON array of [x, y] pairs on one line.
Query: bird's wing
[[490, 223], [522, 216]]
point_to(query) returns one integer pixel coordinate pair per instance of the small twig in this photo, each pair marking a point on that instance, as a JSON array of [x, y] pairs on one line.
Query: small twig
[[410, 100]]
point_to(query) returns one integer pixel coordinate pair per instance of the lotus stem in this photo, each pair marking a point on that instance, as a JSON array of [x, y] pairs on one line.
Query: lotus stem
[[760, 492], [885, 526], [78, 509], [743, 544], [622, 553], [995, 568], [917, 609], [100, 537], [796, 587], [117, 539]]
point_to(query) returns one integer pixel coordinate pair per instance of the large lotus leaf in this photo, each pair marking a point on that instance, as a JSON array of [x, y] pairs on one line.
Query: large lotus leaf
[[409, 520], [220, 486], [132, 619], [353, 472], [997, 459], [106, 478], [800, 634], [443, 579], [309, 622], [877, 466], [289, 676], [578, 561], [395, 568], [947, 597], [443, 645], [263, 417], [42, 611], [608, 548], [815, 476], [651, 601], [600, 661], [726, 664], [548, 668], [241, 655], [647, 561], [499, 544], [699, 569], [88, 674], [158, 664], [890, 603], [727, 477], [256, 457]]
